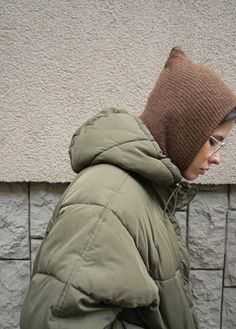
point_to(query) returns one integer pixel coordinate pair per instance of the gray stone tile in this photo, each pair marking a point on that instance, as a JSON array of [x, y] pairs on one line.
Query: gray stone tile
[[14, 281], [211, 188], [230, 268], [229, 309], [14, 213], [232, 197], [207, 289], [35, 244], [43, 199], [206, 239]]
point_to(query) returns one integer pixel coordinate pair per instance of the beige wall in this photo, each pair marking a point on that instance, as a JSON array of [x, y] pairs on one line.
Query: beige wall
[[62, 61]]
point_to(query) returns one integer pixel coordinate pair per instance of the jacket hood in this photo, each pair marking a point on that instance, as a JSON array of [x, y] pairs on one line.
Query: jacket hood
[[116, 137]]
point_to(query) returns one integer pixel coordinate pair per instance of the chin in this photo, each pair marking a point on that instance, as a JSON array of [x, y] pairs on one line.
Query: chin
[[190, 176]]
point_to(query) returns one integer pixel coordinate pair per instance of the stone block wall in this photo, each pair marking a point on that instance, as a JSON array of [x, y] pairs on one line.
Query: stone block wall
[[208, 225]]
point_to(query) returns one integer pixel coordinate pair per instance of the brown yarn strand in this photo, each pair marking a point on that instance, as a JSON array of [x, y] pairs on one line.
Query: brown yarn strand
[[187, 103]]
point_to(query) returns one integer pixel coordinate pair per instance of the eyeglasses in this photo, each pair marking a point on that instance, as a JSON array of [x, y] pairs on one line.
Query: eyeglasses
[[215, 145]]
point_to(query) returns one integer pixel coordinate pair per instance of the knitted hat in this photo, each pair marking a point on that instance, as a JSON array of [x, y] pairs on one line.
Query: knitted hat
[[187, 103]]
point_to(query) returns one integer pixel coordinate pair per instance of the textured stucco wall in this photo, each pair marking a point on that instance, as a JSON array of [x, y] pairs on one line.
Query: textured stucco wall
[[208, 225], [62, 61]]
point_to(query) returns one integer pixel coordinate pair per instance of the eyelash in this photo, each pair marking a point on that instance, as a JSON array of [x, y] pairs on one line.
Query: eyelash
[[212, 142]]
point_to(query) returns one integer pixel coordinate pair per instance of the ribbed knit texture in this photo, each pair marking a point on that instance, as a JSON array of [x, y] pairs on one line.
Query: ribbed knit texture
[[187, 103]]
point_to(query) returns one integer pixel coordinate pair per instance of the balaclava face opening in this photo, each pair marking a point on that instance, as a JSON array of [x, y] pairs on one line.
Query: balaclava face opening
[[187, 103]]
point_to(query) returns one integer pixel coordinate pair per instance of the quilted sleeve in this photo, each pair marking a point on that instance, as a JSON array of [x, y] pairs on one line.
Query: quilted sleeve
[[88, 270]]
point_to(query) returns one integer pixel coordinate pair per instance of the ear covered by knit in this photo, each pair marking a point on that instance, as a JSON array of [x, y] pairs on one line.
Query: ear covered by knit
[[187, 103]]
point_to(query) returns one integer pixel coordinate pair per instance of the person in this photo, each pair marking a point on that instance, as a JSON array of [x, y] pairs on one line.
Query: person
[[113, 255]]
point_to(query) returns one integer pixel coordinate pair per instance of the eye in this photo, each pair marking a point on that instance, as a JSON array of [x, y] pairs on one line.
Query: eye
[[212, 142]]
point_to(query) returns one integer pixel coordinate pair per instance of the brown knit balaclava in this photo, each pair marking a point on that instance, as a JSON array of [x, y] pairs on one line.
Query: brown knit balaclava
[[187, 103]]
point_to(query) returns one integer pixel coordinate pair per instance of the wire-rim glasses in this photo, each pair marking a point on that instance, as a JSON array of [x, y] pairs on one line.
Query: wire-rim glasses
[[215, 144]]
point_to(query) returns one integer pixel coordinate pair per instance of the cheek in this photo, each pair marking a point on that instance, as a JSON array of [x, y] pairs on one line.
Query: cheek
[[200, 161], [203, 155]]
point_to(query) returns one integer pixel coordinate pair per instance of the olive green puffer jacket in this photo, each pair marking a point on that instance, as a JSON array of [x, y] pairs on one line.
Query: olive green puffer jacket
[[112, 256]]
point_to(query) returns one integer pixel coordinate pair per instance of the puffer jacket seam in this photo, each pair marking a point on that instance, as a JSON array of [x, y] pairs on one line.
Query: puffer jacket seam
[[118, 145], [62, 297], [71, 285], [65, 206], [169, 279]]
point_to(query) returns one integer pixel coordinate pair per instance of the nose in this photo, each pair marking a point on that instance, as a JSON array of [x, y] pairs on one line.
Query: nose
[[215, 159]]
